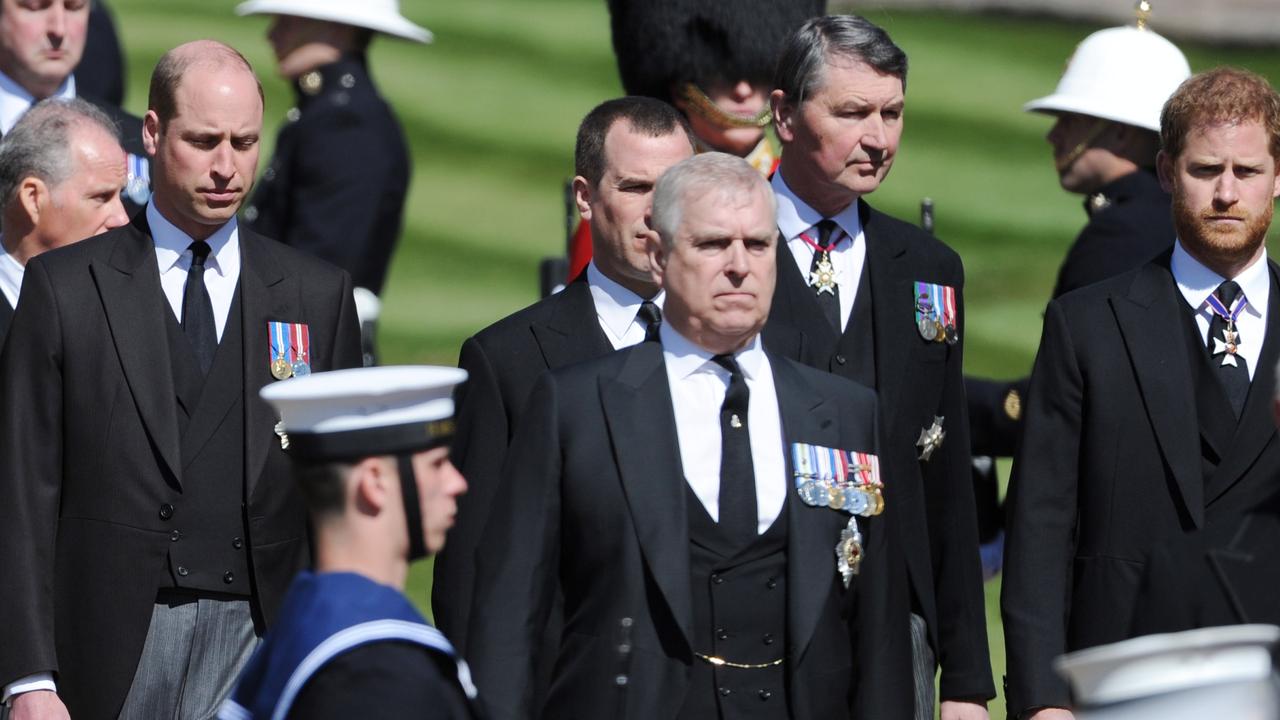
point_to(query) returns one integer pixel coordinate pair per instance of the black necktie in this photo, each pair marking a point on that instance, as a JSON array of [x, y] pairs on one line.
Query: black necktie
[[197, 310], [1235, 378], [738, 516], [651, 316], [828, 301]]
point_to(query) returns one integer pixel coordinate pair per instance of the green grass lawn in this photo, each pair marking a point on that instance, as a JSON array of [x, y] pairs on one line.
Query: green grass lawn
[[491, 109]]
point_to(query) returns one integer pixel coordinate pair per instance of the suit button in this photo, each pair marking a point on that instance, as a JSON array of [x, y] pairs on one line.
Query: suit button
[[715, 578], [767, 639], [175, 536], [721, 634], [166, 511], [228, 577], [771, 583], [725, 692], [183, 571], [765, 694], [237, 543], [841, 359]]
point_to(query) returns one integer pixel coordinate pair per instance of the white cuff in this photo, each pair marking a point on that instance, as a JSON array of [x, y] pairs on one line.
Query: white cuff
[[38, 681]]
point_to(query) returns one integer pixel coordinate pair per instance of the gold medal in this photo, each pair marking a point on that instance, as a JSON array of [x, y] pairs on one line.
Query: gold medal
[[836, 501], [281, 369], [823, 277]]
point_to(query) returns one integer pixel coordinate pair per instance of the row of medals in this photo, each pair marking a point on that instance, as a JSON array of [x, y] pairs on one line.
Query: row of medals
[[864, 500], [282, 369], [932, 329]]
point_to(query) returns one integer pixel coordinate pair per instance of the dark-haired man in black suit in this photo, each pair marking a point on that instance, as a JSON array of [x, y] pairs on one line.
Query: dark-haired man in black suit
[[622, 147], [883, 303], [1150, 401], [148, 524], [671, 491]]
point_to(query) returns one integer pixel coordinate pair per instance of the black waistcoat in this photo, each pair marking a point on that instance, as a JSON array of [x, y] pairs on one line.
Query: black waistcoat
[[207, 550], [1220, 432], [856, 347], [739, 614]]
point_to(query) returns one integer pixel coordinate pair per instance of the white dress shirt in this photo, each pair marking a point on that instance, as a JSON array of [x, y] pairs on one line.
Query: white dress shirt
[[1197, 283], [11, 272], [15, 100], [616, 309], [222, 267], [848, 255], [698, 386]]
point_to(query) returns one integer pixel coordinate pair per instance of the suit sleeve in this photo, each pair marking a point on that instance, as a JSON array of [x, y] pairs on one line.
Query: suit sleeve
[[479, 447], [517, 563], [1042, 509], [30, 478], [346, 343], [953, 536]]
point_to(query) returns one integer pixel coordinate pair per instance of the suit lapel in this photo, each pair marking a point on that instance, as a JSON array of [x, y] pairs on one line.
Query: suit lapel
[[641, 422], [572, 333], [812, 532], [266, 293], [6, 316], [1159, 358], [1257, 429], [129, 287], [893, 314]]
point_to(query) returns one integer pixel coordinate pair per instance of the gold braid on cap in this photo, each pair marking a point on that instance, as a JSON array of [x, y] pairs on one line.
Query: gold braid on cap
[[707, 108]]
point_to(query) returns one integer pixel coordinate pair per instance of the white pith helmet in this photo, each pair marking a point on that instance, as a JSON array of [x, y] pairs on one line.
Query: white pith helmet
[[378, 15], [1123, 74]]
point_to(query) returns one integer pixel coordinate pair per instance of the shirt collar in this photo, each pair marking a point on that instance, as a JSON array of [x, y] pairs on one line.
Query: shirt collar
[[1197, 282], [616, 305], [15, 100], [684, 358], [796, 216], [171, 243]]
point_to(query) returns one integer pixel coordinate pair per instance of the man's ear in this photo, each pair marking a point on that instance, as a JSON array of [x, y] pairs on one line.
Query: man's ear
[[783, 116], [657, 255], [1164, 170], [582, 197], [373, 484], [34, 196], [150, 132]]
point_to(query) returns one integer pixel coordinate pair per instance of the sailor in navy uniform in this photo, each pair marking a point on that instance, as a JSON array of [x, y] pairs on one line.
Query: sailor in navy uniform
[[371, 451]]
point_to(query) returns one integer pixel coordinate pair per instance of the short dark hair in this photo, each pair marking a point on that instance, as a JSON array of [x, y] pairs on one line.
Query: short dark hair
[[174, 64], [39, 144], [1220, 95], [644, 115], [323, 485], [811, 48]]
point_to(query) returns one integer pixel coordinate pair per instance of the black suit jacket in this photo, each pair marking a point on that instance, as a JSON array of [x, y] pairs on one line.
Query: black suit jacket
[[595, 506], [6, 317], [931, 506], [1111, 467], [336, 185], [1220, 576], [504, 361], [89, 442]]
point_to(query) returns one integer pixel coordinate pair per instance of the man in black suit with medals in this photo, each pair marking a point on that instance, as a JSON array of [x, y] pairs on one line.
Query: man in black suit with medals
[[883, 301], [61, 173], [1150, 401], [701, 502], [148, 527], [623, 145]]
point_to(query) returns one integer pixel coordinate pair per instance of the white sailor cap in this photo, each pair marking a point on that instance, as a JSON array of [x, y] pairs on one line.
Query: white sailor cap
[[1219, 671], [349, 414]]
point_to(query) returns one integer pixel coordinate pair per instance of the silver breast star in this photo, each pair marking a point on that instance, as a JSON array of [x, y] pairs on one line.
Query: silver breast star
[[931, 438]]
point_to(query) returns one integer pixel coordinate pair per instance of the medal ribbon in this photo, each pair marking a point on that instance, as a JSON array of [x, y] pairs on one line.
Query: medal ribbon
[[301, 341], [275, 334], [923, 294], [948, 305], [836, 237], [1230, 315]]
